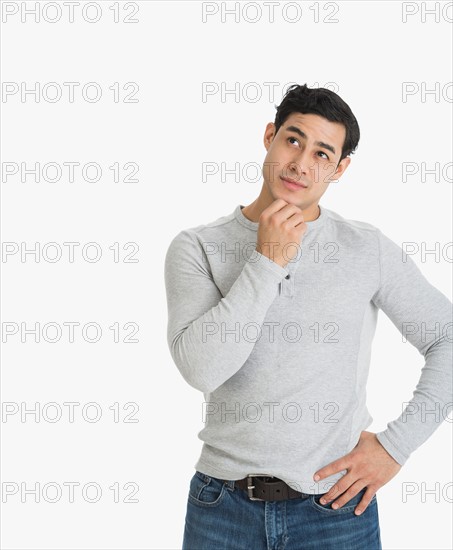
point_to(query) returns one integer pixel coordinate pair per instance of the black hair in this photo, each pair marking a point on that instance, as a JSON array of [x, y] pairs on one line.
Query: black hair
[[323, 102]]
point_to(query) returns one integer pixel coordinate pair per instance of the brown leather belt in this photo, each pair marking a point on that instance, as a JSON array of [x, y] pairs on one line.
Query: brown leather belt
[[260, 487]]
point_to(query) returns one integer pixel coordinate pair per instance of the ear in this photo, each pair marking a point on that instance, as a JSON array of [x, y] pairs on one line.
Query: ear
[[341, 168], [269, 135]]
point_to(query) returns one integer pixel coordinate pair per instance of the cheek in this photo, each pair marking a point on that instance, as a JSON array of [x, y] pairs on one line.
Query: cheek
[[270, 169], [328, 172], [320, 174]]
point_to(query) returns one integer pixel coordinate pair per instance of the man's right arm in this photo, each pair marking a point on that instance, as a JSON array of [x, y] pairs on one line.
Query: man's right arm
[[198, 316]]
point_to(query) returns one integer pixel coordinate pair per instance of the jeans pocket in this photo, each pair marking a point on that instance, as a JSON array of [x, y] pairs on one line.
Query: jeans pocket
[[206, 491], [347, 507]]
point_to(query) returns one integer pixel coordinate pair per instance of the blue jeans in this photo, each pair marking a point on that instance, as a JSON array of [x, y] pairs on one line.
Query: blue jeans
[[220, 516]]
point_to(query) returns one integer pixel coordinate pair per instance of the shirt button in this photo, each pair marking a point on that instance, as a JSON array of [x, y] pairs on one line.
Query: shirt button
[[287, 277]]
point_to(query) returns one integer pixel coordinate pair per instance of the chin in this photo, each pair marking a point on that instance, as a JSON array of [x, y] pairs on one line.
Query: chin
[[286, 196]]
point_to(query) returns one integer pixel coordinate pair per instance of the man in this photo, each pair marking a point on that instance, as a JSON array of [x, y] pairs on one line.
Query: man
[[271, 314]]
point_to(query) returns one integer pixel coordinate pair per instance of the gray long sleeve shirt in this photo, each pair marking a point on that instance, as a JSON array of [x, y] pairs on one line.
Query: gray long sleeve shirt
[[282, 354]]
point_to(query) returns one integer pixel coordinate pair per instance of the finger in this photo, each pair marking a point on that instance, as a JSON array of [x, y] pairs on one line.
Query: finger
[[275, 207], [332, 468], [350, 493], [296, 219], [363, 504], [286, 212], [340, 487]]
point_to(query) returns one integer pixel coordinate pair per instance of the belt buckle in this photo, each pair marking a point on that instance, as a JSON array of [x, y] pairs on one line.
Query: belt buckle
[[250, 487]]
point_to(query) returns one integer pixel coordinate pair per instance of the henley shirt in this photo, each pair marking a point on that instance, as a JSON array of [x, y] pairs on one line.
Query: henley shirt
[[282, 354]]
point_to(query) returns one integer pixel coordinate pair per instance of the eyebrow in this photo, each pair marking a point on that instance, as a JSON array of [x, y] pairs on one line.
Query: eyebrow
[[296, 130]]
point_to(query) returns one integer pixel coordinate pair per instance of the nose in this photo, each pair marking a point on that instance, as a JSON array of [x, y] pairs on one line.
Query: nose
[[299, 167]]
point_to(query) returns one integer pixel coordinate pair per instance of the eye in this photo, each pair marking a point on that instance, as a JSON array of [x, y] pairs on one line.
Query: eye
[[319, 152]]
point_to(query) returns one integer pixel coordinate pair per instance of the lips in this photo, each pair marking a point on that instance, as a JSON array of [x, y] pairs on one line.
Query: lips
[[300, 184]]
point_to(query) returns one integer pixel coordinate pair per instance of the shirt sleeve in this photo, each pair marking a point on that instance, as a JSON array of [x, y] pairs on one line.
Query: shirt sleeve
[[424, 317], [205, 330]]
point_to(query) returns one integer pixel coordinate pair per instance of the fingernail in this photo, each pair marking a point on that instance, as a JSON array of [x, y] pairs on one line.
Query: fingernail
[[316, 478]]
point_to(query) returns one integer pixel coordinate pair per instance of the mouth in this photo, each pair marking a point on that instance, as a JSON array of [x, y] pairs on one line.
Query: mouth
[[292, 184]]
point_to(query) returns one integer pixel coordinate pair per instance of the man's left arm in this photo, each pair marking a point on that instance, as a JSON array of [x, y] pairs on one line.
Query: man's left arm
[[424, 316]]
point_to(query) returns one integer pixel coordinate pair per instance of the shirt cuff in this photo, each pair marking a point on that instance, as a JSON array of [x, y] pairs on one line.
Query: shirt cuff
[[268, 264], [391, 448]]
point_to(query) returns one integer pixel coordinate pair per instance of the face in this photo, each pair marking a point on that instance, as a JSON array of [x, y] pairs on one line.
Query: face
[[306, 149]]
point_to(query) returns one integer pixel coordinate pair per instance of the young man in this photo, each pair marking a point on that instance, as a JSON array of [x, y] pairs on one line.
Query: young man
[[271, 314]]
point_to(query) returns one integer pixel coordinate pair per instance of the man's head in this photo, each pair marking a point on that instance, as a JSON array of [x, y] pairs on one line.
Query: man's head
[[310, 142]]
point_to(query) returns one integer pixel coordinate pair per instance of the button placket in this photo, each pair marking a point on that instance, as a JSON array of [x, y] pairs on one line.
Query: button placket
[[288, 284]]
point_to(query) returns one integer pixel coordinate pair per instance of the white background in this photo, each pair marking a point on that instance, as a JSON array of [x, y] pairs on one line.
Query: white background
[[170, 52]]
